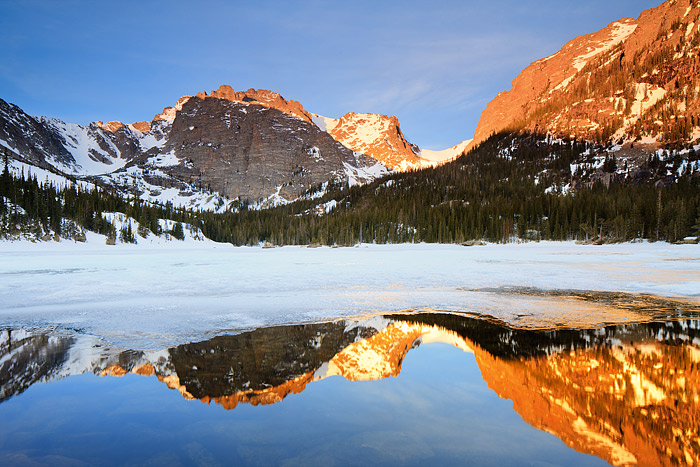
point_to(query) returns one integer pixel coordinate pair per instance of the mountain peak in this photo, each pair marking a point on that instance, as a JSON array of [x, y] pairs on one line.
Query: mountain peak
[[377, 135], [169, 113], [112, 126], [613, 82], [263, 97]]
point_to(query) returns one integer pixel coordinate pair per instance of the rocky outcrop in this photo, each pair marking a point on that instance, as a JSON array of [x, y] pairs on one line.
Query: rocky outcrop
[[262, 97], [169, 113], [377, 135], [28, 138], [112, 126], [634, 78], [252, 151]]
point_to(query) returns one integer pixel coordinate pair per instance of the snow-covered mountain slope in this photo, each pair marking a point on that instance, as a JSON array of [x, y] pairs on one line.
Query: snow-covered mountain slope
[[208, 152], [445, 155], [92, 149], [29, 138]]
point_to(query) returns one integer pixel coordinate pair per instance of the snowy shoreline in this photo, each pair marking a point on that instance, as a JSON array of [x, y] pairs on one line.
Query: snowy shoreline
[[95, 241]]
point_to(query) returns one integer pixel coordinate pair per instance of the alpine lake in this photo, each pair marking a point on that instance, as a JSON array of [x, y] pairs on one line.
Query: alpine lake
[[409, 387]]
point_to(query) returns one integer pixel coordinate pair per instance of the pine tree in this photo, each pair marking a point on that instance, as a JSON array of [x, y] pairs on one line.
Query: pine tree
[[696, 227], [126, 234], [177, 231], [5, 179]]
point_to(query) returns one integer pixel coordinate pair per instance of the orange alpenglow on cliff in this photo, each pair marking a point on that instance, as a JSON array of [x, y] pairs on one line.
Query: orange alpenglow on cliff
[[611, 83]]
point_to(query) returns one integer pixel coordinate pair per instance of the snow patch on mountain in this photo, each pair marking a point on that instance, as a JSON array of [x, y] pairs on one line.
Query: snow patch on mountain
[[167, 190], [324, 123], [169, 159], [620, 31], [440, 157], [274, 200], [360, 175], [83, 142], [151, 139]]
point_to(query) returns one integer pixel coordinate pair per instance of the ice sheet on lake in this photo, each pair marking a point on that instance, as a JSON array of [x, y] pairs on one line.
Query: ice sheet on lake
[[152, 297]]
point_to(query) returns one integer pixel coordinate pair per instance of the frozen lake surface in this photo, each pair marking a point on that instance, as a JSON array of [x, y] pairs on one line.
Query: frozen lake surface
[[150, 297]]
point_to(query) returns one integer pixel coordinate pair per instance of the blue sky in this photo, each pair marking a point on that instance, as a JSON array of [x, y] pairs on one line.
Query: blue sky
[[433, 64]]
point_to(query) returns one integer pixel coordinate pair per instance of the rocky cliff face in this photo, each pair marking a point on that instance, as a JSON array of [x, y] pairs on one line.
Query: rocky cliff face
[[205, 152], [377, 135], [634, 79], [253, 151]]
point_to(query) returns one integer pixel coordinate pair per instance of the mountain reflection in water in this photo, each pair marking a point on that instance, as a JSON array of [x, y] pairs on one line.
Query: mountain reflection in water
[[626, 393]]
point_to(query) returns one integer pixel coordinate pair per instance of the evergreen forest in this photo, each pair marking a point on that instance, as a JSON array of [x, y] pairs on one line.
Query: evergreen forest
[[512, 187]]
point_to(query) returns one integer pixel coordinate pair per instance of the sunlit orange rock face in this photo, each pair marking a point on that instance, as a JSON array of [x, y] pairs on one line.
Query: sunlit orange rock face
[[376, 135], [555, 94], [145, 370], [143, 127], [260, 97], [110, 126], [173, 382], [114, 370]]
